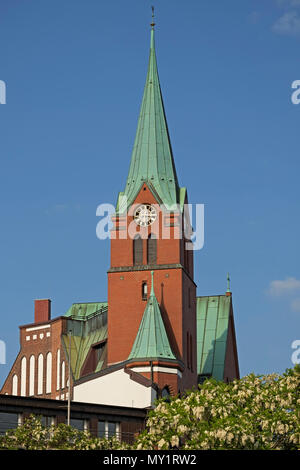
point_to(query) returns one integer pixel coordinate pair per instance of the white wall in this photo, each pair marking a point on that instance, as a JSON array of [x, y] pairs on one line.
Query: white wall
[[115, 388]]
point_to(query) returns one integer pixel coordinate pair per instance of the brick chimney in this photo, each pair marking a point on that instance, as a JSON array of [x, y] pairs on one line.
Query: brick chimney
[[42, 310]]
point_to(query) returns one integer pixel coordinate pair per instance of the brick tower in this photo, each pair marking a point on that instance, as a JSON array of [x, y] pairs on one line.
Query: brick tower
[[152, 321]]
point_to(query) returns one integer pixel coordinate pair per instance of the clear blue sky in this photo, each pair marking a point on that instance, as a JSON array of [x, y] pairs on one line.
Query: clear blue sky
[[75, 72]]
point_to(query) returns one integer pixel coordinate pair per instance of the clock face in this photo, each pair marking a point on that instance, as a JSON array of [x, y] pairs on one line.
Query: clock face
[[145, 215]]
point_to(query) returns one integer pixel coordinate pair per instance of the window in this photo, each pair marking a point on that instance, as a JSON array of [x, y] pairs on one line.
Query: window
[[137, 250], [202, 378], [111, 429], [151, 249], [101, 428], [63, 374], [144, 290], [23, 376], [49, 373], [165, 392], [96, 354], [108, 429], [98, 351], [15, 385], [58, 370], [31, 375], [40, 374], [8, 421], [47, 420], [78, 424]]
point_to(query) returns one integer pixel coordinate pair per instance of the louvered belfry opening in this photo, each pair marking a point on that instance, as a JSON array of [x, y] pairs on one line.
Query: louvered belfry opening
[[151, 249], [137, 250]]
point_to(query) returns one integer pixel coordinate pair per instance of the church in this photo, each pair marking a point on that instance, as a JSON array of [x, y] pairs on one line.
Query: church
[[154, 336]]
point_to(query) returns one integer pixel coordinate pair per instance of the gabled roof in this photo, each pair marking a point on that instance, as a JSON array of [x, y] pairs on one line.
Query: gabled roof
[[152, 340], [213, 317], [152, 157]]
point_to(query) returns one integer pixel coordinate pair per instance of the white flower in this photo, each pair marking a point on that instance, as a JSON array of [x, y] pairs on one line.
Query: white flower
[[175, 441], [161, 443]]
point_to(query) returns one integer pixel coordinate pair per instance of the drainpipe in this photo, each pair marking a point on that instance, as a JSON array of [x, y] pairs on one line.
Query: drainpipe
[[69, 391]]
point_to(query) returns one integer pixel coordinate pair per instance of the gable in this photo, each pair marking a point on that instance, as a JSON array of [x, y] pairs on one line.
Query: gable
[[88, 325], [213, 322]]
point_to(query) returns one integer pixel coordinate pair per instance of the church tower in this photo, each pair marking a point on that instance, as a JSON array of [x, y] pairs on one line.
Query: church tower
[[151, 288], [153, 336]]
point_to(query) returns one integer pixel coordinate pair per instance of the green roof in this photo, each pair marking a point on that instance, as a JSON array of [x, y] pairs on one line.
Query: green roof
[[151, 340], [88, 325], [152, 157], [84, 310], [213, 313]]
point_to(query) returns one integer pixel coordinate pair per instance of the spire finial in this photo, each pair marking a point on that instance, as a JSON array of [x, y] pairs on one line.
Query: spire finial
[[152, 284], [228, 283], [152, 24]]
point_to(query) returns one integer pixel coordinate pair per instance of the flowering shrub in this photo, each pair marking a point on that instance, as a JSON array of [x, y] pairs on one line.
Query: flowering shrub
[[255, 412], [32, 435]]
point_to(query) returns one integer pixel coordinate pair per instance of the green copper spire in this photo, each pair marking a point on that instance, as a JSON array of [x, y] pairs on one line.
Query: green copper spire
[[151, 340], [152, 158]]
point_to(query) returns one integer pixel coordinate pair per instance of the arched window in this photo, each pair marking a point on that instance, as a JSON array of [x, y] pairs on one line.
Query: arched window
[[49, 373], [144, 291], [137, 250], [31, 375], [40, 374], [58, 370], [165, 393], [15, 385], [63, 374], [151, 249], [23, 376]]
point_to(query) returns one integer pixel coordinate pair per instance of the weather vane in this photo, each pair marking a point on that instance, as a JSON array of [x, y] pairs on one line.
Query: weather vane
[[152, 24]]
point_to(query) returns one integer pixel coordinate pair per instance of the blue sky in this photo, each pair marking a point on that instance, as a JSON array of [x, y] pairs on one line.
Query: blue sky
[[75, 72]]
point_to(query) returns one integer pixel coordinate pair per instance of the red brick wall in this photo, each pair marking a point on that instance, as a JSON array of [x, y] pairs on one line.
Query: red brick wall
[[40, 345], [42, 310]]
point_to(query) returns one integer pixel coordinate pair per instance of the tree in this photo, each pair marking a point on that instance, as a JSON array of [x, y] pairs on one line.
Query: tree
[[255, 412]]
